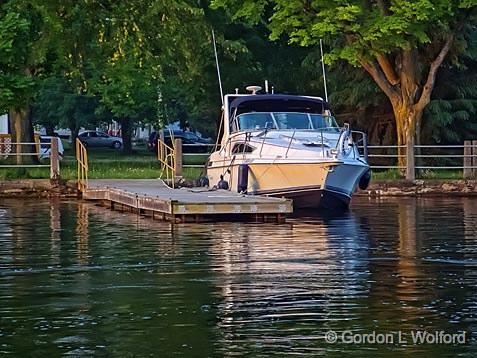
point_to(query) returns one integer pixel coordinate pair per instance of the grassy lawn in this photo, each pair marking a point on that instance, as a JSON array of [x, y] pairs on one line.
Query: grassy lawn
[[427, 174], [105, 163]]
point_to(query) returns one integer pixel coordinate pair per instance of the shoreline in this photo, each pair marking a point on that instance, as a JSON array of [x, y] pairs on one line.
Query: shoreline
[[38, 188], [45, 188], [420, 188]]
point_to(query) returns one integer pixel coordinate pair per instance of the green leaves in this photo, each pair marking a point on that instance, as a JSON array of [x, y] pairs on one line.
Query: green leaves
[[251, 11], [365, 27], [11, 25]]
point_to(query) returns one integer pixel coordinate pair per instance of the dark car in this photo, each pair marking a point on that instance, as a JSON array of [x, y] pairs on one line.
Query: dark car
[[200, 144]]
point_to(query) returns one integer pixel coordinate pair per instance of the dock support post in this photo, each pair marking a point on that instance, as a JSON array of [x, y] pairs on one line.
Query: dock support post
[[474, 159], [54, 159], [178, 157], [468, 171]]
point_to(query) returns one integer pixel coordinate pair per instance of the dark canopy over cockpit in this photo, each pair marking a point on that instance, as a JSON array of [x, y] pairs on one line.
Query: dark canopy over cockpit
[[277, 103]]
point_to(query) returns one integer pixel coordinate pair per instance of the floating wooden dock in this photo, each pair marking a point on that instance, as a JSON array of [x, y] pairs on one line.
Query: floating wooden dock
[[153, 198]]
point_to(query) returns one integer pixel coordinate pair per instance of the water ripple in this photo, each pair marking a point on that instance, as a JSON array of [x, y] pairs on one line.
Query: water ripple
[[80, 280]]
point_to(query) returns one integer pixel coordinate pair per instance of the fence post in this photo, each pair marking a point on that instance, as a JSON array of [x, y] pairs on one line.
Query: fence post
[[474, 159], [468, 159], [410, 167], [178, 156], [54, 159]]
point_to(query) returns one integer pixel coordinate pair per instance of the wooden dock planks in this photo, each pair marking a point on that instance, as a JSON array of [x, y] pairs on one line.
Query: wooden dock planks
[[152, 197]]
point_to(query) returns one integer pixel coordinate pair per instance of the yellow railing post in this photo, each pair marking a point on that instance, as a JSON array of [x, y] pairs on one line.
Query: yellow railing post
[[82, 159], [166, 157]]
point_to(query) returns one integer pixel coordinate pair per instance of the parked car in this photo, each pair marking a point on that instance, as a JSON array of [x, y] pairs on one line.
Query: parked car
[[187, 138], [45, 147], [99, 139]]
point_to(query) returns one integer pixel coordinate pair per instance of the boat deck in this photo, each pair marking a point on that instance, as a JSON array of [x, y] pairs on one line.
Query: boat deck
[[151, 197]]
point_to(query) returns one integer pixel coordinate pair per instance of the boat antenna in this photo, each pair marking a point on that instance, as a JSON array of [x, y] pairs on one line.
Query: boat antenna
[[218, 68], [323, 69]]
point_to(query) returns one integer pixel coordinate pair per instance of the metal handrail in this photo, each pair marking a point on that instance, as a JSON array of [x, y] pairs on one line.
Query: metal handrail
[[198, 145], [386, 155], [455, 156], [385, 146], [166, 157], [25, 166], [82, 160], [457, 163], [6, 145], [443, 146]]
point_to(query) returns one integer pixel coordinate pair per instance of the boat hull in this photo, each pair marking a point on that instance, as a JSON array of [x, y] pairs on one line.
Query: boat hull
[[316, 199], [309, 185]]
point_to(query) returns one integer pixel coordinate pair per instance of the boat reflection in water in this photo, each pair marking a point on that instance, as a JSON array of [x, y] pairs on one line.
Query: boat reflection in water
[[284, 286]]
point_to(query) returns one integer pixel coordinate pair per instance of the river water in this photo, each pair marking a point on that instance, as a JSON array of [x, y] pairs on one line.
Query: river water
[[80, 280]]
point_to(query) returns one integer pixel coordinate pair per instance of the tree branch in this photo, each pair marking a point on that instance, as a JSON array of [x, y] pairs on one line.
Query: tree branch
[[431, 77], [383, 7], [380, 78], [388, 69]]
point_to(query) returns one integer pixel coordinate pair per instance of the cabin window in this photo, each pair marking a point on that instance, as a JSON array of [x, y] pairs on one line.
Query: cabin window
[[242, 148], [324, 122], [256, 121], [293, 120], [284, 121]]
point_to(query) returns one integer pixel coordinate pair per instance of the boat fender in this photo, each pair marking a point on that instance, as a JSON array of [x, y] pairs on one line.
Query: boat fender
[[223, 184], [242, 183], [203, 182], [365, 180]]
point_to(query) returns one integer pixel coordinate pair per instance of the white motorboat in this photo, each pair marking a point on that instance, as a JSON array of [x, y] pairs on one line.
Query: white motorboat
[[288, 146]]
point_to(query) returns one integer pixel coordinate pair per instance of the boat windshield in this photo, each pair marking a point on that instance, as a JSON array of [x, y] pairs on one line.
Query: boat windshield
[[286, 120]]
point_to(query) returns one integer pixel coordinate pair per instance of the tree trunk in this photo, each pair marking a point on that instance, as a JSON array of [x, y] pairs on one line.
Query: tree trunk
[[398, 78], [407, 118], [74, 134], [74, 129], [22, 132], [126, 132]]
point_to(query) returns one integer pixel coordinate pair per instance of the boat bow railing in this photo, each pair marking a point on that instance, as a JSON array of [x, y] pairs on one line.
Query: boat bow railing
[[360, 141], [356, 141]]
